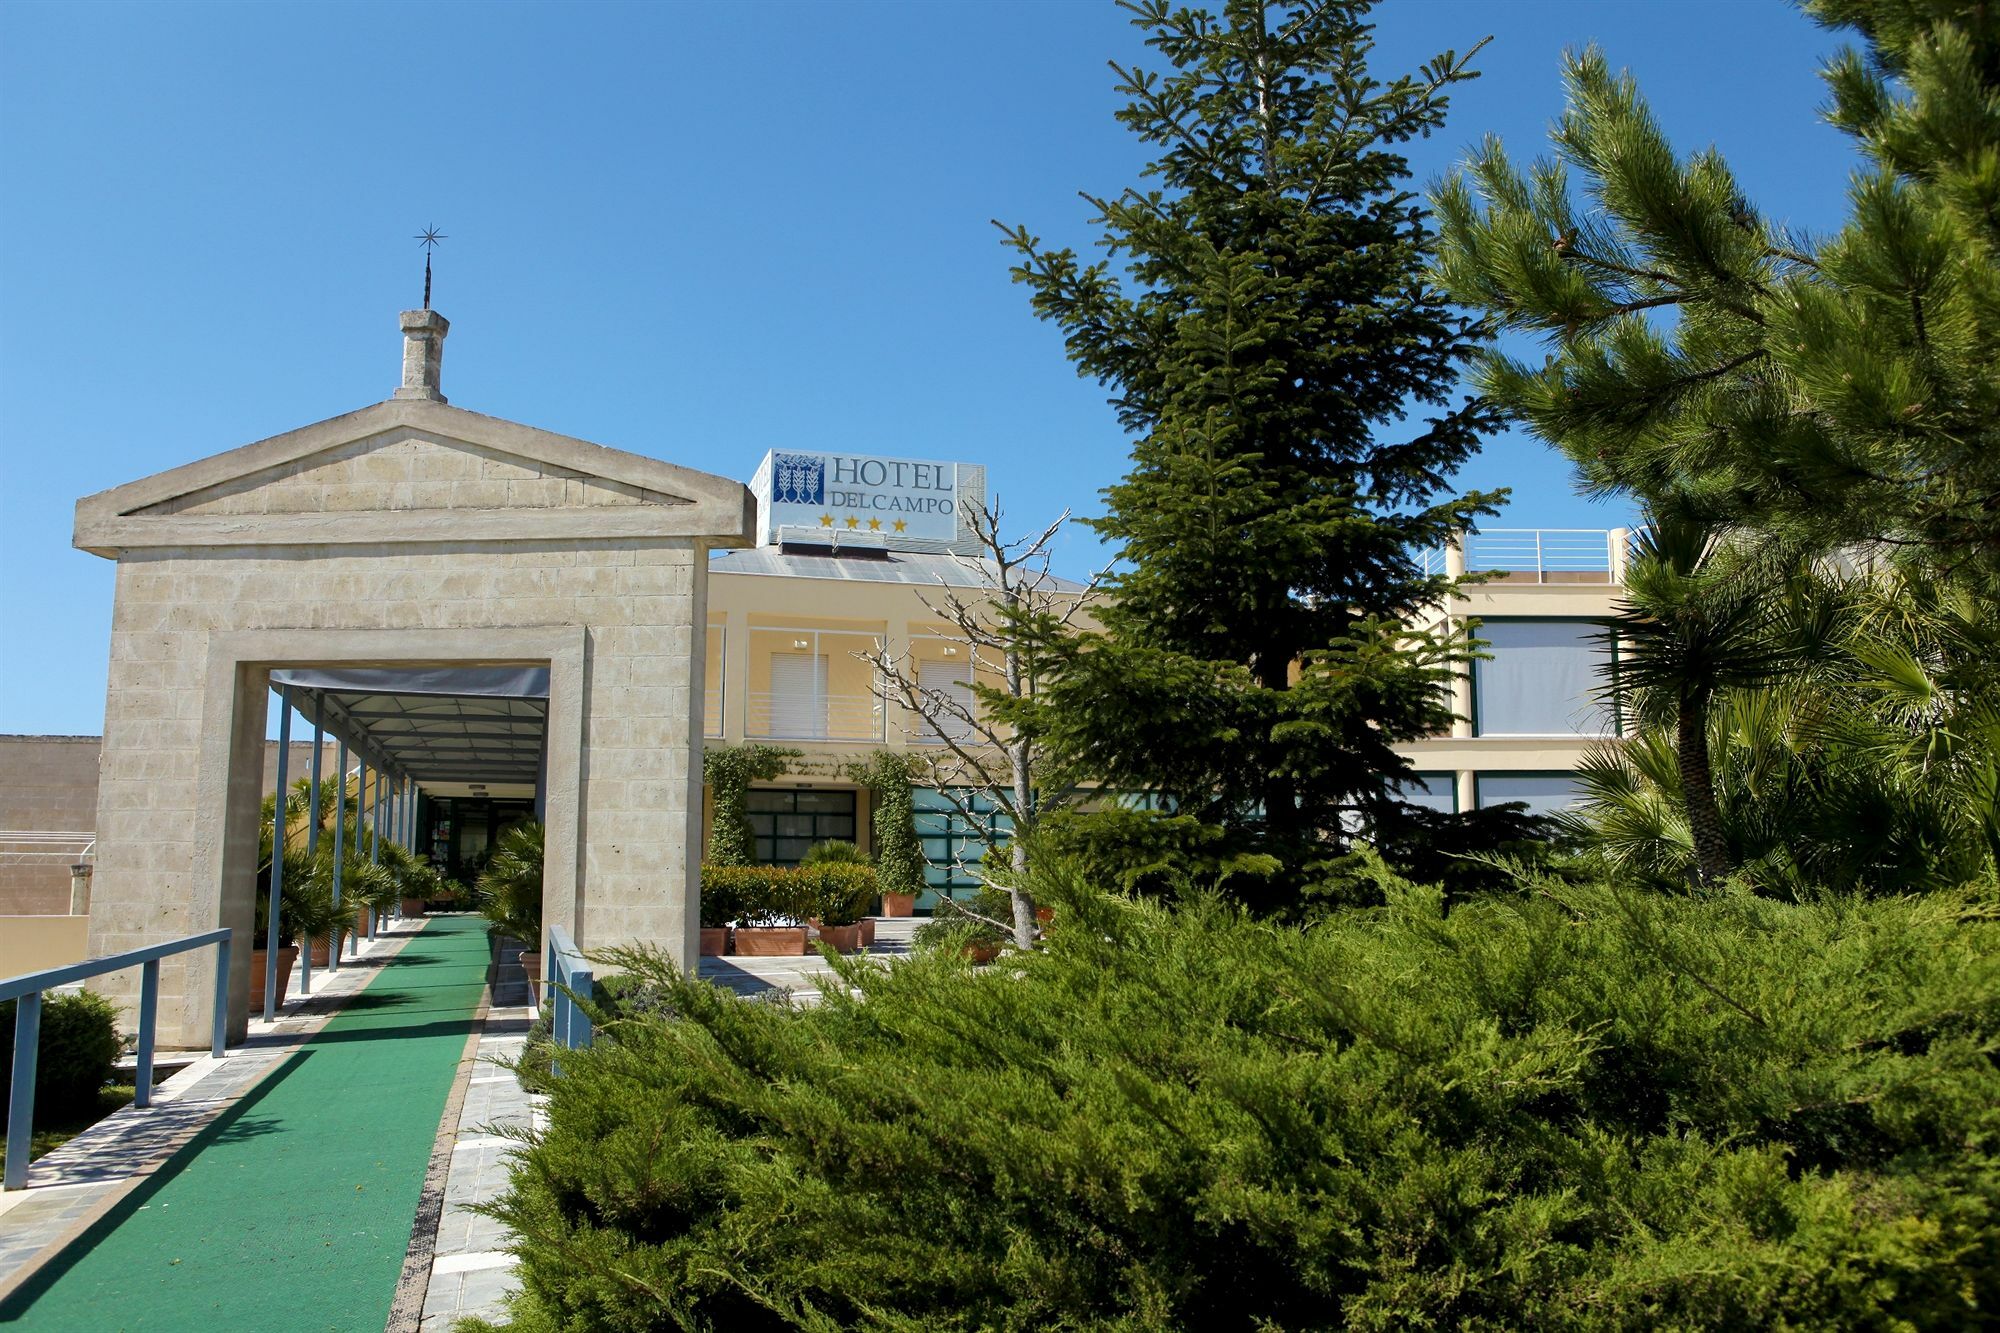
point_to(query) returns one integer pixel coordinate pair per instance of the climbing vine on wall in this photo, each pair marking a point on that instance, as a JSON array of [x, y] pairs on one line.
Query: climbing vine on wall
[[729, 771], [899, 858]]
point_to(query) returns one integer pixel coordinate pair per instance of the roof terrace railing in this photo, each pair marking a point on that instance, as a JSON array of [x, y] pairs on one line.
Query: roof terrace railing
[[1537, 555], [28, 988], [570, 979]]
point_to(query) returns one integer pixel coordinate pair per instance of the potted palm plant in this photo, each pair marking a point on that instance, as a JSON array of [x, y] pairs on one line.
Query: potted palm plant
[[510, 892], [308, 902], [288, 952]]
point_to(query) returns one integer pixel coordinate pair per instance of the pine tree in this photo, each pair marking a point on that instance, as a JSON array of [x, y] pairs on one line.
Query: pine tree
[[1820, 395], [1268, 335]]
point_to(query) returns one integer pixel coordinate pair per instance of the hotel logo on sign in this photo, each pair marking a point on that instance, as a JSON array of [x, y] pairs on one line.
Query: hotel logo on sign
[[889, 497]]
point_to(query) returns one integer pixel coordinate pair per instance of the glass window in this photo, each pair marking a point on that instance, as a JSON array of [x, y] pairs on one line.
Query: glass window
[[789, 820], [1432, 791], [1543, 793], [1541, 679], [951, 844]]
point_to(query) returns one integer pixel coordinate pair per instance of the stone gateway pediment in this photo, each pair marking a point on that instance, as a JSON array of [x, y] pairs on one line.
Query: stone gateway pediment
[[414, 471]]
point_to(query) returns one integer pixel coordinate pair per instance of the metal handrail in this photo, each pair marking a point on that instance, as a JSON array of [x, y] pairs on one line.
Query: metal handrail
[[570, 979], [28, 988]]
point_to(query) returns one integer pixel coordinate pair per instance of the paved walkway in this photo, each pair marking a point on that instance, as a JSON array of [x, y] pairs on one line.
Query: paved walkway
[[291, 1209]]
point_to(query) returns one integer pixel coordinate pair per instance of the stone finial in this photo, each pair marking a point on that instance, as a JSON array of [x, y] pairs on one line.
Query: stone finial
[[423, 354]]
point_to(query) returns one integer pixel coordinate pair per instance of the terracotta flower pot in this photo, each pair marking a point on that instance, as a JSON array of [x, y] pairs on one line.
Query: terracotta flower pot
[[842, 939], [259, 960], [867, 932], [714, 940], [364, 924], [531, 966], [771, 941], [899, 904], [413, 907], [321, 952], [982, 953]]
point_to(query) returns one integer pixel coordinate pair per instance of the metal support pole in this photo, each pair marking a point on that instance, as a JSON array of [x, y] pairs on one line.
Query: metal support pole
[[219, 1038], [375, 841], [149, 1019], [21, 1092], [277, 856], [319, 743]]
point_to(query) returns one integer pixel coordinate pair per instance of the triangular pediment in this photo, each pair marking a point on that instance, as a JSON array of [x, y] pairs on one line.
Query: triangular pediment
[[407, 471], [415, 471]]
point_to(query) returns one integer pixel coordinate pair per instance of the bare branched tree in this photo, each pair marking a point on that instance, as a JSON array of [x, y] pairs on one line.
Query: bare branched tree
[[984, 767]]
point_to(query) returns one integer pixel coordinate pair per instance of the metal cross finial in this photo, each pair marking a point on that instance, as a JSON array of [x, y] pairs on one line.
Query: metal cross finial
[[429, 238]]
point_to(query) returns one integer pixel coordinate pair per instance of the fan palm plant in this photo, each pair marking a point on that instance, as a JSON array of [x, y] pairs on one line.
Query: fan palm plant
[[1694, 621], [510, 887]]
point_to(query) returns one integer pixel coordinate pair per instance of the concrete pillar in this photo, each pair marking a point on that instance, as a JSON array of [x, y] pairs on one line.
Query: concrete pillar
[[423, 355], [1461, 685], [79, 889]]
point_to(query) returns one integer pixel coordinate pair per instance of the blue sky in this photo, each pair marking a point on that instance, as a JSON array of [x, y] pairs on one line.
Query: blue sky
[[697, 232]]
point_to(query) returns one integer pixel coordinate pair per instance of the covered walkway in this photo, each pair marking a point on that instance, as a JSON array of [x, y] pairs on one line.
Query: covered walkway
[[293, 1209]]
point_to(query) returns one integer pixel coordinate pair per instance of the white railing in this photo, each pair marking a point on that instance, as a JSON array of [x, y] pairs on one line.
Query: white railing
[[1539, 555], [823, 717]]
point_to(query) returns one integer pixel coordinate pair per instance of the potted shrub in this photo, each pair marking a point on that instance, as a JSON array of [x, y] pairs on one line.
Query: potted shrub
[[288, 952], [975, 932], [899, 856], [721, 900], [510, 892], [841, 893], [835, 852], [773, 913]]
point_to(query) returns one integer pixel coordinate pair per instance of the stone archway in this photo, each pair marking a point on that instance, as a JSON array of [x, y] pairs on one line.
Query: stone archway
[[407, 533]]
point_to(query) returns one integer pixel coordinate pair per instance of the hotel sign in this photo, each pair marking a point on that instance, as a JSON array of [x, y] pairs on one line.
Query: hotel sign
[[886, 497]]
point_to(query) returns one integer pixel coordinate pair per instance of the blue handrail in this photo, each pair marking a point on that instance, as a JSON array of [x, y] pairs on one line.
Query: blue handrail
[[570, 979], [28, 988]]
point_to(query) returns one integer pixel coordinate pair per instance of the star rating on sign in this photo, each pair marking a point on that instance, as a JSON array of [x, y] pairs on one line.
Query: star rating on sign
[[853, 522], [874, 525], [826, 520], [900, 525]]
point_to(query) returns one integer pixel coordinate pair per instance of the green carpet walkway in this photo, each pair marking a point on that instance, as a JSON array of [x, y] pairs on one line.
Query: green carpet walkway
[[293, 1211]]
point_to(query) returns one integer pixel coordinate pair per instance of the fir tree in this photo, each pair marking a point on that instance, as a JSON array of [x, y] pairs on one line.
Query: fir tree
[[1269, 333], [1822, 395]]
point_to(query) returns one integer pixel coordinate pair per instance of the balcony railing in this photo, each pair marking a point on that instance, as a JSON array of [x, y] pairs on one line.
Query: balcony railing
[[810, 717], [1539, 555]]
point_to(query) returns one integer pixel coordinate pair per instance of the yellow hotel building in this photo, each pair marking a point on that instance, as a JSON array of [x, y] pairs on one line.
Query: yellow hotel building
[[851, 548]]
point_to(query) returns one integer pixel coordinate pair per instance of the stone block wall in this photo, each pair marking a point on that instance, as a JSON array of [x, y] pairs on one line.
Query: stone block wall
[[637, 600]]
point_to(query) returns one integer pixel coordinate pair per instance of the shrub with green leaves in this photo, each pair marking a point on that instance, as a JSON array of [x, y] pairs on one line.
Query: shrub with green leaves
[[510, 888], [759, 895], [79, 1042], [841, 892], [1578, 1108]]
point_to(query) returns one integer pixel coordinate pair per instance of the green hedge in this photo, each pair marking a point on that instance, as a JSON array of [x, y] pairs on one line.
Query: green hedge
[[1575, 1109], [73, 1059], [836, 893]]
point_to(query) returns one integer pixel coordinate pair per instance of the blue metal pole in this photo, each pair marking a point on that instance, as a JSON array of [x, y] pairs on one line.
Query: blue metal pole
[[375, 842], [312, 829], [277, 857], [219, 1039], [149, 1017], [340, 871], [21, 1092]]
